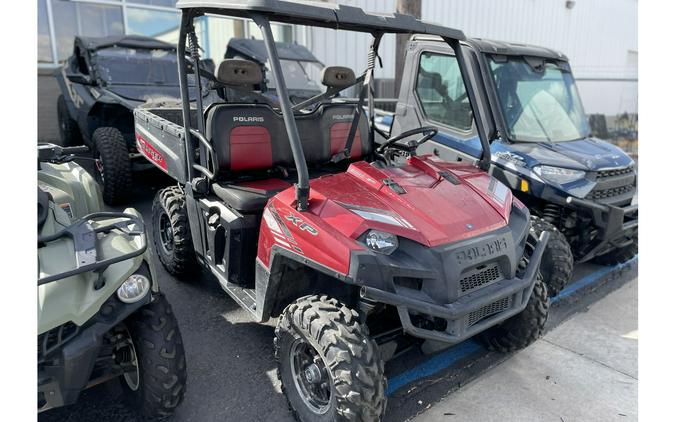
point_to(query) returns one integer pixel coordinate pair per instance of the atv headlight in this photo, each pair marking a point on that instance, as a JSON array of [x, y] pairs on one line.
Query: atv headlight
[[134, 288], [559, 175], [381, 242]]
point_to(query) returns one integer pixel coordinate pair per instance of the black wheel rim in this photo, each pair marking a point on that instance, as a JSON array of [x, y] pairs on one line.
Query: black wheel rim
[[127, 358], [311, 378], [166, 234]]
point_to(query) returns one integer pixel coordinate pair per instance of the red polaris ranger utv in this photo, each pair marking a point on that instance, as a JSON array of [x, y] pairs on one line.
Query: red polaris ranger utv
[[300, 217]]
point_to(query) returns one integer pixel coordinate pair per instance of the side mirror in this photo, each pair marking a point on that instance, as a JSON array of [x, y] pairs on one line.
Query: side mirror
[[79, 78]]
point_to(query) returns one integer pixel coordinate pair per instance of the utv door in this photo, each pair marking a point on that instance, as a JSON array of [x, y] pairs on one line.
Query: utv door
[[434, 94]]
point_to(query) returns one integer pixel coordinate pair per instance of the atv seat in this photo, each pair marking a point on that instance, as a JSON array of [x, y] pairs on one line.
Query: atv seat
[[249, 196]]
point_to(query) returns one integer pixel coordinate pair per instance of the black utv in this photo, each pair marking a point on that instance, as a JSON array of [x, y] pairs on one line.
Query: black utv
[[101, 83]]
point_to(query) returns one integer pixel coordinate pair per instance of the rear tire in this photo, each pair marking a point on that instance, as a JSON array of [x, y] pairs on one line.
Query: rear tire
[[69, 132], [619, 256], [523, 329], [557, 261], [113, 167], [161, 360], [323, 337], [171, 232]]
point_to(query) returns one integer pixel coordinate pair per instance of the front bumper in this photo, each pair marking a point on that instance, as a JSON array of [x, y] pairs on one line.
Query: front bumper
[[617, 226], [67, 369], [469, 314]]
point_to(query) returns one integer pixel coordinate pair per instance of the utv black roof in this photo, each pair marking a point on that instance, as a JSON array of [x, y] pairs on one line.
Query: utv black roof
[[516, 49], [328, 15], [504, 48], [255, 50], [128, 41]]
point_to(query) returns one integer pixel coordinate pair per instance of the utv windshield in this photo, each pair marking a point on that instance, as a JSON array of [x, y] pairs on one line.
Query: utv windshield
[[539, 100], [299, 75], [128, 66]]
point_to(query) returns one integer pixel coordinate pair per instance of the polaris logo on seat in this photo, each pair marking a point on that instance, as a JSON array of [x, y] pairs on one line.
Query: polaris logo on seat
[[342, 116], [248, 119]]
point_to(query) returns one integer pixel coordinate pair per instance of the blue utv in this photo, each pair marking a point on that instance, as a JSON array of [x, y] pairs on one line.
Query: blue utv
[[577, 187]]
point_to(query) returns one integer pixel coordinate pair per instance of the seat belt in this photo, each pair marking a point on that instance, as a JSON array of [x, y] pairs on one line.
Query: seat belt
[[368, 75]]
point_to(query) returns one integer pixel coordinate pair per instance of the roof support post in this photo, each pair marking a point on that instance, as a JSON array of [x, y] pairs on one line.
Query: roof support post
[[186, 21], [480, 111], [302, 187]]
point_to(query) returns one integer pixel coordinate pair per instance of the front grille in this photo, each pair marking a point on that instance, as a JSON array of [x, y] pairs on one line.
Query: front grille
[[610, 193], [491, 309], [613, 172], [480, 277], [55, 338], [613, 185]]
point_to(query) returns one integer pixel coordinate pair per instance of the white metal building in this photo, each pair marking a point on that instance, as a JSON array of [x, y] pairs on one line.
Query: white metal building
[[599, 37]]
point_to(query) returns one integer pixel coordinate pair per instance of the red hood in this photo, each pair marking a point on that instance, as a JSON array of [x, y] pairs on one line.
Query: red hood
[[432, 211]]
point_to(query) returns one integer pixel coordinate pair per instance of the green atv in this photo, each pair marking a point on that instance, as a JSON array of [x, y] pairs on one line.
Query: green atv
[[100, 315]]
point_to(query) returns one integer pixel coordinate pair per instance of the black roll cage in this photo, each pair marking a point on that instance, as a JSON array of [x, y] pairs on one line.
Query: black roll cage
[[262, 12]]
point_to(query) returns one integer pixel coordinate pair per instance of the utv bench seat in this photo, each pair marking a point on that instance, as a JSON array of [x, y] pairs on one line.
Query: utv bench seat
[[252, 138], [250, 196], [249, 137]]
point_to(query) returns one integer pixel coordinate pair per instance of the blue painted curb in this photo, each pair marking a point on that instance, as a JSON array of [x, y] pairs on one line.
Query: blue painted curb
[[460, 351]]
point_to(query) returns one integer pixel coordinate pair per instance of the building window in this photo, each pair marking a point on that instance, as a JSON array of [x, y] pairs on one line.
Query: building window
[[154, 18], [165, 3], [44, 40], [87, 19], [153, 23]]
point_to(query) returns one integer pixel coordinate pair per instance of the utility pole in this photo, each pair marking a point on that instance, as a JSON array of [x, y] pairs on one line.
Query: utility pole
[[408, 7]]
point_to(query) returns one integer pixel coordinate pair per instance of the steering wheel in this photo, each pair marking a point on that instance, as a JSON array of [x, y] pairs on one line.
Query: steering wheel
[[410, 147]]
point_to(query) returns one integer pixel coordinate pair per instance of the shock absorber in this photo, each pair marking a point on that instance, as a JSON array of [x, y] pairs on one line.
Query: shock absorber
[[551, 213], [193, 44]]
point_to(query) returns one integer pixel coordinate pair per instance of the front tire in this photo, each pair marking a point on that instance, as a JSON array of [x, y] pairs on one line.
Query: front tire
[[557, 261], [113, 167], [523, 329], [171, 232], [157, 387], [330, 370]]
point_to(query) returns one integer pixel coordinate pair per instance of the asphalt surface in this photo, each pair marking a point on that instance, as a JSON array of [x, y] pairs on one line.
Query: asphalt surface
[[231, 369]]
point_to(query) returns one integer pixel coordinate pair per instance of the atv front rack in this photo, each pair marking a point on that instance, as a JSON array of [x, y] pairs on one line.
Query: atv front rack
[[85, 237]]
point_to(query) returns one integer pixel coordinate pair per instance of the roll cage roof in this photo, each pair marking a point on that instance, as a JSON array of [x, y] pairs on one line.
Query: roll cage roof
[[255, 50], [504, 48], [129, 41], [515, 49], [327, 15]]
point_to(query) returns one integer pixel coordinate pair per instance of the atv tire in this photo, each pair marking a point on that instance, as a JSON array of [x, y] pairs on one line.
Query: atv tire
[[557, 261], [620, 255], [349, 373], [69, 132], [171, 232], [523, 329], [113, 168], [161, 360]]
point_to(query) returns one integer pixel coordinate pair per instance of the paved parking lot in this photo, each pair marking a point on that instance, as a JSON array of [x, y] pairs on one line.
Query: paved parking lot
[[232, 374]]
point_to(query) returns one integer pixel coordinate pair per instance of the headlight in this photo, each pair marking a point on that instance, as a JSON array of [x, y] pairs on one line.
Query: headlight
[[381, 242], [559, 175], [134, 288]]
